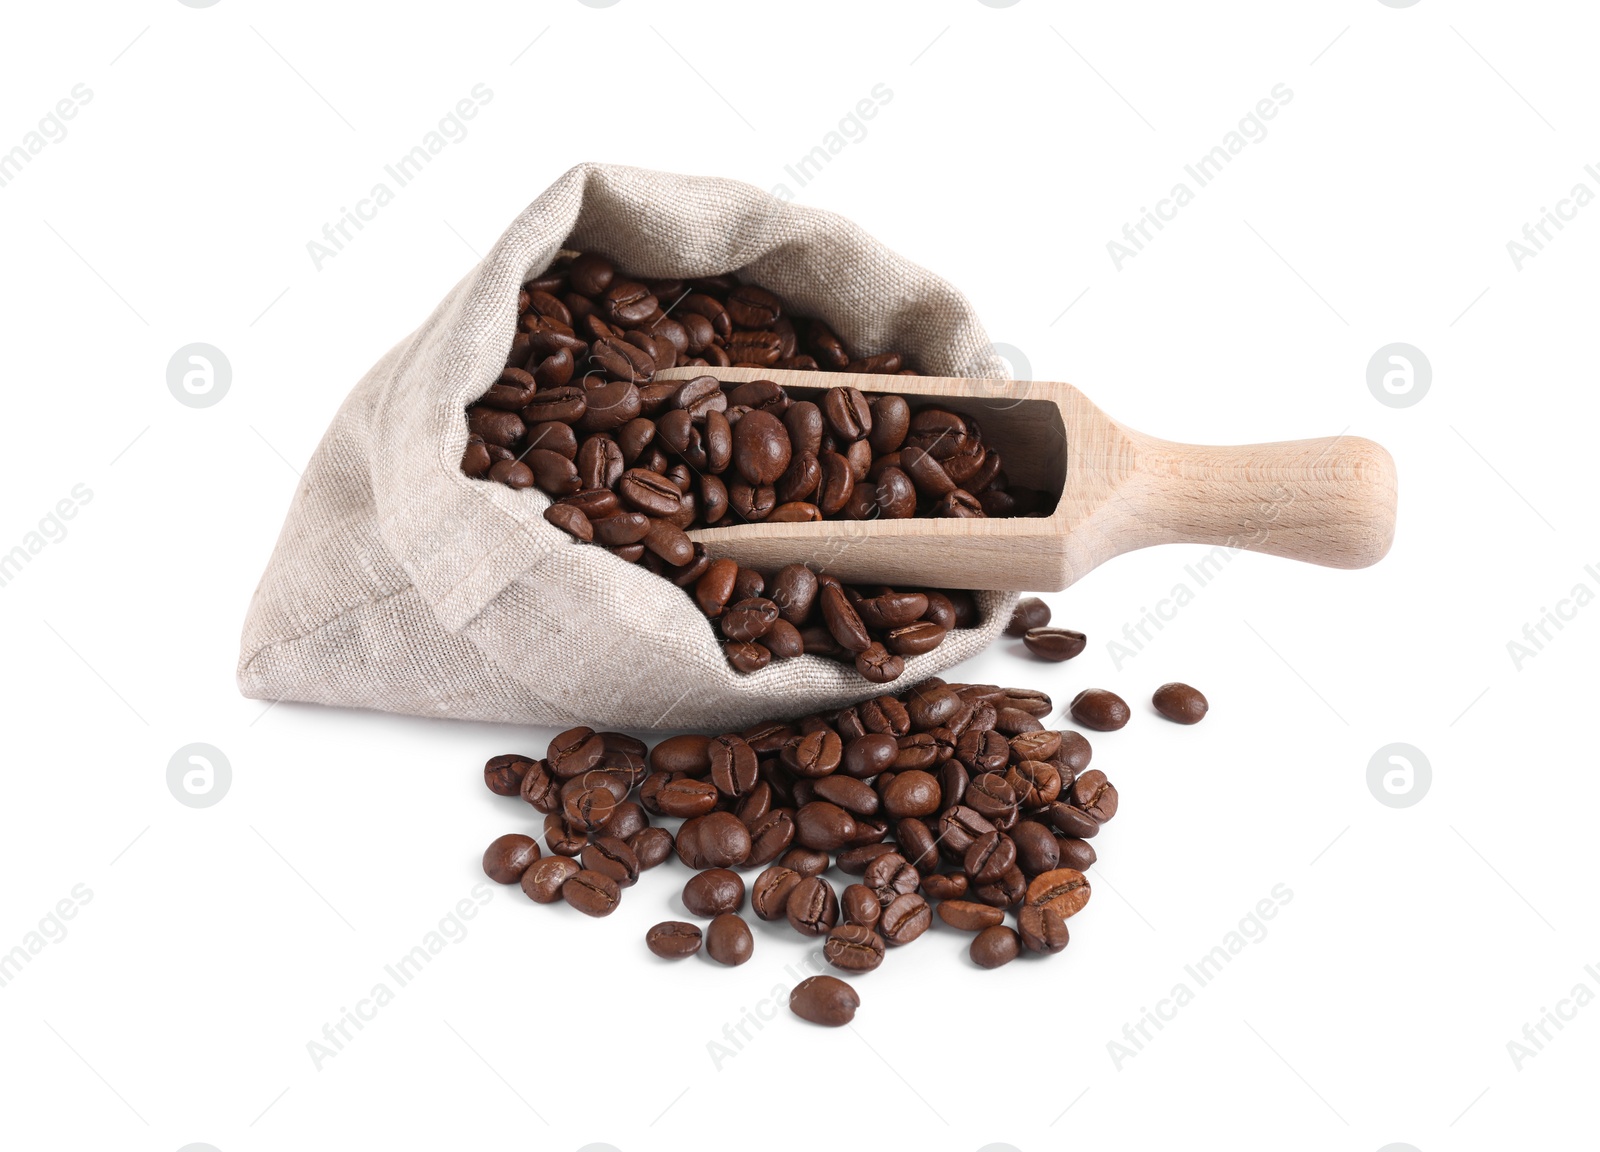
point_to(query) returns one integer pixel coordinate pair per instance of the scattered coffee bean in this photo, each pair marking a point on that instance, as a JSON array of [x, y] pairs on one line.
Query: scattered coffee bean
[[994, 946], [824, 1000], [1031, 612], [728, 940], [543, 881], [1180, 703], [1054, 643], [592, 893], [853, 947], [673, 939], [508, 857], [713, 892], [1099, 709]]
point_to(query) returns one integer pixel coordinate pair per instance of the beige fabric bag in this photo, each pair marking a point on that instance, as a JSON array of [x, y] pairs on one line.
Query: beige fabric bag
[[399, 584]]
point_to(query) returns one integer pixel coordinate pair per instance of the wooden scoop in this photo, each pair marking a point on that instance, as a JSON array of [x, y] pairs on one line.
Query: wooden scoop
[[1329, 501]]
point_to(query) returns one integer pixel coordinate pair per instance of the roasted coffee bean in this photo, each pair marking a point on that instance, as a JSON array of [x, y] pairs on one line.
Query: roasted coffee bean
[[1096, 795], [561, 838], [868, 755], [855, 861], [761, 449], [574, 752], [1074, 754], [503, 774], [914, 639], [542, 882], [993, 798], [877, 664], [592, 893], [816, 754], [812, 908], [733, 764], [1099, 709], [1063, 889], [808, 862], [969, 916], [823, 826], [748, 619], [824, 1000], [686, 797], [651, 846], [728, 939], [689, 754], [860, 905], [995, 946], [723, 840], [509, 856], [673, 939], [842, 620], [570, 520], [1041, 928], [612, 857], [1035, 783], [1079, 854], [1070, 821], [1041, 745], [769, 895], [905, 918], [1005, 892], [770, 836], [1031, 612], [854, 948], [1038, 850], [944, 886], [1054, 643], [989, 857], [911, 793], [713, 891], [1180, 703], [852, 795]]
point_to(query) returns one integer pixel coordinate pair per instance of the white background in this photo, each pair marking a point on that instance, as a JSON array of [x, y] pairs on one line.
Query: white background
[[1018, 142]]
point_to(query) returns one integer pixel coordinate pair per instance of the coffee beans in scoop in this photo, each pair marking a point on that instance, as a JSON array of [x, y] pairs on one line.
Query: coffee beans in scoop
[[632, 464]]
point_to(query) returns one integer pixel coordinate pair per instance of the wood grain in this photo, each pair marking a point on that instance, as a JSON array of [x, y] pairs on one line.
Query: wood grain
[[1329, 501]]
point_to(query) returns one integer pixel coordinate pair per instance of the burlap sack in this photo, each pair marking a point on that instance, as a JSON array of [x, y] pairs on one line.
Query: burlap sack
[[399, 584]]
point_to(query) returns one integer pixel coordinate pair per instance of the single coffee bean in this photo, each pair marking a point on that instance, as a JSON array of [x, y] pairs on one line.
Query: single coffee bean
[[561, 838], [651, 846], [911, 793], [1031, 612], [809, 862], [770, 836], [761, 448], [1064, 889], [592, 893], [574, 752], [860, 905], [749, 619], [824, 1000], [612, 857], [1077, 854], [689, 754], [1070, 821], [503, 774], [686, 797], [728, 939], [542, 882], [1099, 709], [824, 826], [854, 948], [723, 840], [1054, 643], [1180, 703], [877, 664], [673, 939], [905, 918], [855, 861], [769, 895], [842, 620], [509, 856], [713, 892], [1038, 849], [812, 908], [570, 520], [969, 916], [1096, 795], [1041, 928], [945, 886], [733, 765], [995, 946]]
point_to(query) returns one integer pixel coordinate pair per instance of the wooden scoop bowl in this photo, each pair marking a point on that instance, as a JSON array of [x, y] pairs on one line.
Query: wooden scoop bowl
[[1329, 501]]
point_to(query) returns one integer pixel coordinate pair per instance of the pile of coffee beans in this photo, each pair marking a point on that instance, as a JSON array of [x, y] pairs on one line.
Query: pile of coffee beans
[[950, 798]]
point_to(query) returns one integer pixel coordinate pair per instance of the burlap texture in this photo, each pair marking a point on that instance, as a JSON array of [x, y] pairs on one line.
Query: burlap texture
[[400, 584]]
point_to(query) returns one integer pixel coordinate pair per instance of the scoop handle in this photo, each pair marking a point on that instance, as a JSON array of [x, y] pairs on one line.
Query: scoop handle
[[1329, 501]]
